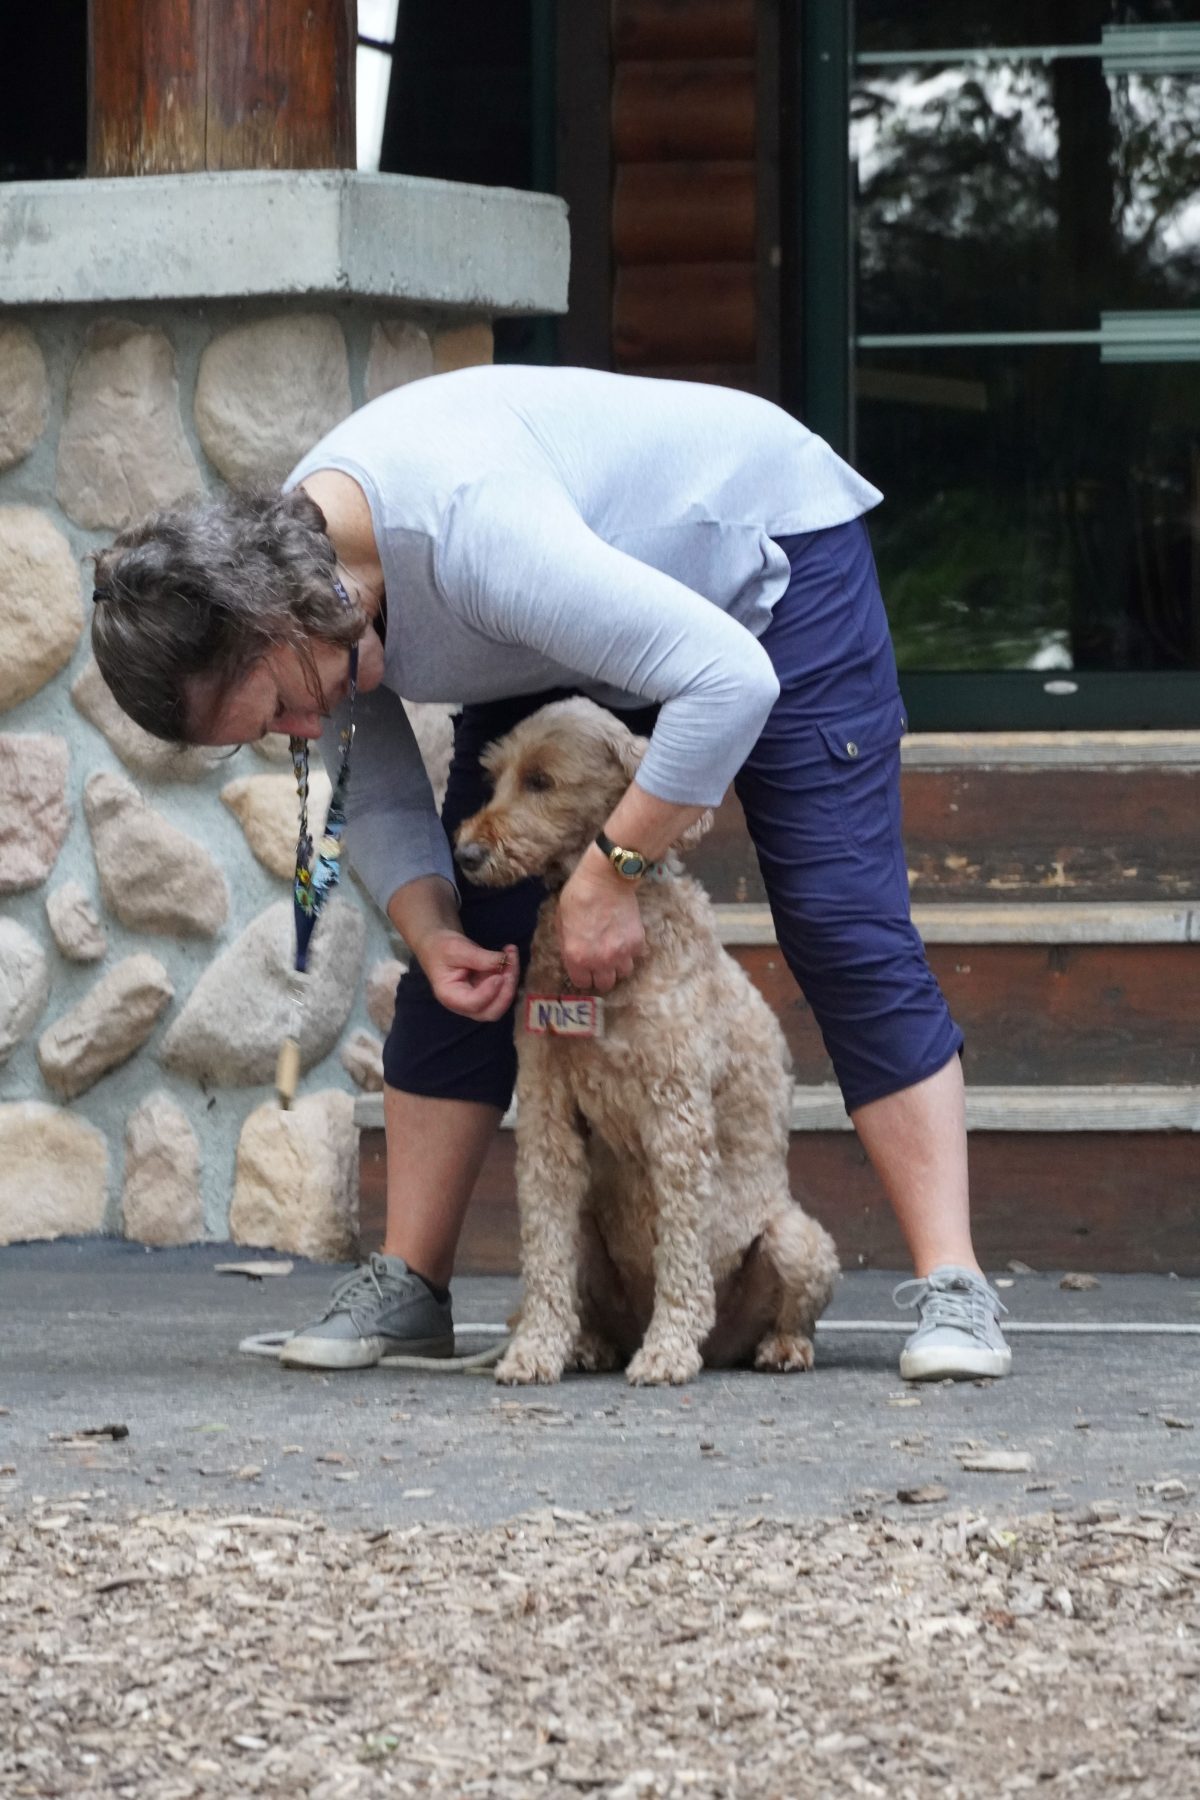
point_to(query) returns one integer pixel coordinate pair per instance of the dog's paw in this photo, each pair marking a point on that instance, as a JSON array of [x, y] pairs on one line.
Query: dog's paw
[[784, 1351], [594, 1354], [525, 1362], [659, 1365]]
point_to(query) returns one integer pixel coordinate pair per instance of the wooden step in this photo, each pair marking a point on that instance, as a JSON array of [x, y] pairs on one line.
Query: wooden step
[[1070, 992], [1091, 1178], [1031, 816], [1131, 1107]]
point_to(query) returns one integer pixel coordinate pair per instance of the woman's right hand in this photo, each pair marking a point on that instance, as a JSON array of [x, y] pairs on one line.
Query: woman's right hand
[[466, 978]]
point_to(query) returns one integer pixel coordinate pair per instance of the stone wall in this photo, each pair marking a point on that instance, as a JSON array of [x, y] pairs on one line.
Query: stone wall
[[146, 936]]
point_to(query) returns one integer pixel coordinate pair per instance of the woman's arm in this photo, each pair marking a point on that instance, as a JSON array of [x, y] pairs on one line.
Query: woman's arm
[[599, 921], [519, 564], [465, 977]]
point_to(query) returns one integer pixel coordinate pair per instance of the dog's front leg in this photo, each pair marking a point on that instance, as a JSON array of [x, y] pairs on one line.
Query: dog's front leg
[[679, 1137], [552, 1176]]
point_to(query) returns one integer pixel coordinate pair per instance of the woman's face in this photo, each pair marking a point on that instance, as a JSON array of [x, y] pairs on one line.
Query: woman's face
[[276, 694]]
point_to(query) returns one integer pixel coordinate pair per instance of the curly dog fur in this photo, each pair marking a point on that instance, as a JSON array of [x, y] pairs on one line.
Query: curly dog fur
[[657, 1226]]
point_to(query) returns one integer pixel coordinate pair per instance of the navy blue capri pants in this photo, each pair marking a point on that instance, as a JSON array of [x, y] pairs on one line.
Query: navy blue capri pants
[[821, 795]]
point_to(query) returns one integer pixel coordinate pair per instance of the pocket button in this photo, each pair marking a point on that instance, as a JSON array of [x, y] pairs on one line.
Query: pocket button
[[851, 748]]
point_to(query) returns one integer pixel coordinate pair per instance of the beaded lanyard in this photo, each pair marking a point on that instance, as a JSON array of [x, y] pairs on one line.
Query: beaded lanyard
[[316, 877]]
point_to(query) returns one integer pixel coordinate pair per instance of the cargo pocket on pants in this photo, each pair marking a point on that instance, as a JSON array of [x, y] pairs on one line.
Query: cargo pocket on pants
[[864, 748]]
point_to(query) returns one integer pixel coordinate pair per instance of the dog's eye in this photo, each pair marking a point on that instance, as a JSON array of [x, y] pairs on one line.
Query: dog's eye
[[536, 781]]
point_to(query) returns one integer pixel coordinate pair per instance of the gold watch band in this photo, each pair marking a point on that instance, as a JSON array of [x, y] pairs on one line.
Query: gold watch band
[[630, 865]]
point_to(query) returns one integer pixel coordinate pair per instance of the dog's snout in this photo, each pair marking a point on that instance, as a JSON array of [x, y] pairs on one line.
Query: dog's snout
[[470, 857]]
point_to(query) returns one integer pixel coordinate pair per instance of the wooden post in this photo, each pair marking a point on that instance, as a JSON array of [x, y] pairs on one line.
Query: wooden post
[[176, 86]]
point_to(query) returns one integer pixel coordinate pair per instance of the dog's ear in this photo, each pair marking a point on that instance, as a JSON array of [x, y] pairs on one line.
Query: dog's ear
[[696, 830], [628, 750]]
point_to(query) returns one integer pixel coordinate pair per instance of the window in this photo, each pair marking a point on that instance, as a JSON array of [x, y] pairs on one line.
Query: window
[[1026, 340]]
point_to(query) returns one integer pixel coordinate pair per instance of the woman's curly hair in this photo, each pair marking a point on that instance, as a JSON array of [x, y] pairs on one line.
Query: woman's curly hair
[[191, 598]]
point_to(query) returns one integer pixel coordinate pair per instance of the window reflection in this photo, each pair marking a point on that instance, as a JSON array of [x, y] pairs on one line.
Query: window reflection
[[1017, 183]]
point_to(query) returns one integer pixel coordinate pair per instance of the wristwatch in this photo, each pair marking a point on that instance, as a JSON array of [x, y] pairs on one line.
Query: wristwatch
[[630, 865]]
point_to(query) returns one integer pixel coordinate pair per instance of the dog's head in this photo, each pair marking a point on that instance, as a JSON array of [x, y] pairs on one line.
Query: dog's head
[[556, 777]]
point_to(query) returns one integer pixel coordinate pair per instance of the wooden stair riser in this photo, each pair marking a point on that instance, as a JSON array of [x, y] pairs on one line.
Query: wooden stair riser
[[1115, 834], [1030, 1013], [1093, 1200]]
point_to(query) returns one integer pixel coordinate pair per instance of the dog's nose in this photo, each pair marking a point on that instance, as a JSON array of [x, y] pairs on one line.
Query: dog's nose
[[470, 857]]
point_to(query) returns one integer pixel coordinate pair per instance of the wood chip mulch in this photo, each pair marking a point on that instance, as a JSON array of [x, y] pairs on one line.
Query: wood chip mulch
[[177, 1654]]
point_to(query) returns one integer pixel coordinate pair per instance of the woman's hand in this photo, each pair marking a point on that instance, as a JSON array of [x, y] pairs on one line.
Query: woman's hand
[[466, 978], [599, 928]]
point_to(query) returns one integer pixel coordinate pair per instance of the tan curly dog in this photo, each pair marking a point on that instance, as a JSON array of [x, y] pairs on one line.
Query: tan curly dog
[[657, 1226]]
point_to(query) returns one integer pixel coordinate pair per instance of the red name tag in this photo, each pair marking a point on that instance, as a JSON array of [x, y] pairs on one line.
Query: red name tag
[[564, 1015]]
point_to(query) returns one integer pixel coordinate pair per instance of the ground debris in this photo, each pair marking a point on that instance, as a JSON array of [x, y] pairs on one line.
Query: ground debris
[[995, 1462], [254, 1271], [188, 1654], [926, 1495], [88, 1435]]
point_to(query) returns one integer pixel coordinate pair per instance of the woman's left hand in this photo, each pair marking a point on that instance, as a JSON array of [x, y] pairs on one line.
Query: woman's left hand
[[599, 929]]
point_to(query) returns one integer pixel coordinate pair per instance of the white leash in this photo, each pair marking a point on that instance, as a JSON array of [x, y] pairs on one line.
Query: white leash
[[270, 1343], [1079, 1327]]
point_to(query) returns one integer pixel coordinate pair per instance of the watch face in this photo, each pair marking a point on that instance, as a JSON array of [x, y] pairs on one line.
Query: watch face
[[631, 865]]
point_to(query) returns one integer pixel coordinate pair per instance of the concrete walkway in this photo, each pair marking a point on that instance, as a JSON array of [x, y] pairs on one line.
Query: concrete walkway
[[100, 1332]]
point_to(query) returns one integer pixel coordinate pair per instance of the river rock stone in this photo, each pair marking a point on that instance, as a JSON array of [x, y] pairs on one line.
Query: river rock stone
[[267, 391], [362, 1059], [75, 924], [400, 352], [24, 984], [122, 452], [434, 732], [463, 347], [53, 1173], [239, 1012], [381, 992], [153, 876], [33, 807], [107, 1026], [41, 611], [24, 393], [160, 1202], [268, 811], [149, 757], [296, 1186]]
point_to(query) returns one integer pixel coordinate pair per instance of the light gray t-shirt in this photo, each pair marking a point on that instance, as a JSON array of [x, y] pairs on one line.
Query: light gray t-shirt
[[545, 527]]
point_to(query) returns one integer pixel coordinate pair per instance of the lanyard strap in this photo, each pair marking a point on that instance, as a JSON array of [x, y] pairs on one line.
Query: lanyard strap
[[317, 876]]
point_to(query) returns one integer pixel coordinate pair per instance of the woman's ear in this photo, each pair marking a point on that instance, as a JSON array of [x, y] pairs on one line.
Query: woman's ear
[[696, 830]]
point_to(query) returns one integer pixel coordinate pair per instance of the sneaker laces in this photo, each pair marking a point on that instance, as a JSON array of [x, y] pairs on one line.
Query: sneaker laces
[[951, 1300], [359, 1289]]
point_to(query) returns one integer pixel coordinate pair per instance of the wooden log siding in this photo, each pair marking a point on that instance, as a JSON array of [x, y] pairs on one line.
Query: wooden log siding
[[670, 112], [684, 313], [684, 215], [690, 213], [177, 86], [682, 28]]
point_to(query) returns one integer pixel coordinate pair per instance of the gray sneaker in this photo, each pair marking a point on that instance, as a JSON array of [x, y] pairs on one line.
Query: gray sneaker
[[379, 1310], [959, 1336]]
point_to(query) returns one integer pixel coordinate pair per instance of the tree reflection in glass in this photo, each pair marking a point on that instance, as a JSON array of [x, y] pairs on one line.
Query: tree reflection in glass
[[1043, 505]]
